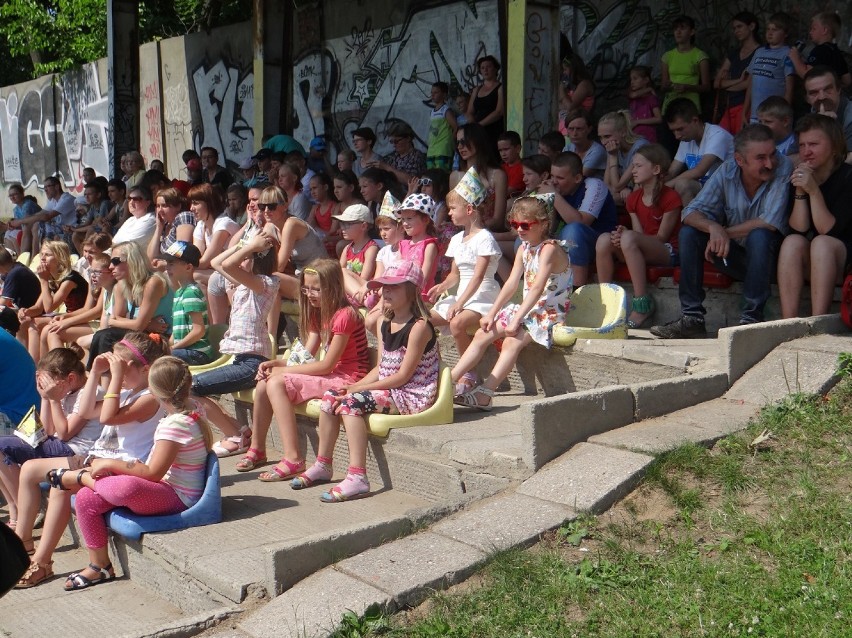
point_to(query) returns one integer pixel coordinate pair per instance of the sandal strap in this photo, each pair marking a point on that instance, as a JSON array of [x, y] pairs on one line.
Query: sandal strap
[[643, 305], [103, 571]]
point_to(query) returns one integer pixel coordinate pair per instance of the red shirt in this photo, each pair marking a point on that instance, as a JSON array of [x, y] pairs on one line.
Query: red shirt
[[652, 216], [355, 359], [515, 177]]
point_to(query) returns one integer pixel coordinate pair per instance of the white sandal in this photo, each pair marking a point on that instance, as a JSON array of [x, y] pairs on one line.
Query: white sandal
[[242, 441], [468, 399]]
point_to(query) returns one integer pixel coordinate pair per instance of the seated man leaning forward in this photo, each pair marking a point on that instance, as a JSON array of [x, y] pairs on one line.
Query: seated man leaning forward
[[736, 222], [702, 149], [586, 207]]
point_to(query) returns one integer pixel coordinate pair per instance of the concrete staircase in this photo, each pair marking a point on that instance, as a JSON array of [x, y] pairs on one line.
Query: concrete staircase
[[274, 538]]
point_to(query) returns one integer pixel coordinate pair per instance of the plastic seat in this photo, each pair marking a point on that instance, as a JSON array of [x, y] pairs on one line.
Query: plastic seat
[[206, 511], [598, 311], [24, 258], [35, 262], [439, 413], [652, 273]]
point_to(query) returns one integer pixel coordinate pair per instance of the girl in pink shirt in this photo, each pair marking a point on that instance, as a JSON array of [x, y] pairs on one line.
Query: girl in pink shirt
[[326, 322]]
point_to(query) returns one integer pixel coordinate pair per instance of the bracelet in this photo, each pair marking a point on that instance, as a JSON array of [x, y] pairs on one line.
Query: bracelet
[[801, 197], [110, 395]]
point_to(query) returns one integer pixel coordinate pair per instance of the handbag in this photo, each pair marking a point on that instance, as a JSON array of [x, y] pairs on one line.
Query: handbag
[[299, 354]]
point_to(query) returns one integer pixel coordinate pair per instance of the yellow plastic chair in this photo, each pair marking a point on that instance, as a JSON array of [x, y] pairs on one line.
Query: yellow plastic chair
[[35, 262], [24, 258], [598, 311]]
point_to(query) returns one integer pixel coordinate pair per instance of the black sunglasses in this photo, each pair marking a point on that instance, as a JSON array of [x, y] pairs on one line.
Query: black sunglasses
[[462, 142], [117, 261], [265, 207]]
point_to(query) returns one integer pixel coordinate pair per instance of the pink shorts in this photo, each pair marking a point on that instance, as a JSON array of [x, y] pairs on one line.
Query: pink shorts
[[304, 387]]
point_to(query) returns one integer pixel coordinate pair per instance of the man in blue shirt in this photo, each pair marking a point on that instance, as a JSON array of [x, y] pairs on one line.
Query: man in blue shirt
[[17, 376], [737, 221], [587, 208]]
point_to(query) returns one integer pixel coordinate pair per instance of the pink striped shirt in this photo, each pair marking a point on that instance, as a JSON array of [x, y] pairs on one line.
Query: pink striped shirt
[[186, 474]]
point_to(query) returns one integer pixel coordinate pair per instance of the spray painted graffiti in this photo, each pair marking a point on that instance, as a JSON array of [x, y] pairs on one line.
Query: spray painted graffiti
[[54, 125], [539, 37], [373, 77], [152, 132], [226, 105]]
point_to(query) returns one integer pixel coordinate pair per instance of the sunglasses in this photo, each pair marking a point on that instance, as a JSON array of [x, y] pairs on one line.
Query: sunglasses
[[265, 207], [525, 226], [425, 181], [462, 142], [117, 261], [136, 198]]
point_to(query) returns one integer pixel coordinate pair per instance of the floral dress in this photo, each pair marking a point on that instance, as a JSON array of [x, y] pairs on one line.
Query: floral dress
[[551, 307]]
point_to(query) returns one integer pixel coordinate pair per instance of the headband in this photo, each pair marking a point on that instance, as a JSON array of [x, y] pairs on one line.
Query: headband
[[135, 351], [310, 271]]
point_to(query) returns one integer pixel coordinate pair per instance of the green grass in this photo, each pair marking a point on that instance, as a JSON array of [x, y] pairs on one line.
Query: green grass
[[748, 542]]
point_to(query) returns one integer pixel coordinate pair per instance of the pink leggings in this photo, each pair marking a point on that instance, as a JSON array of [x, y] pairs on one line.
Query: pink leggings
[[140, 496]]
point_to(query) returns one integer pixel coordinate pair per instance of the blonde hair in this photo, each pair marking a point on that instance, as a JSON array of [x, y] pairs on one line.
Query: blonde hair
[[150, 346], [531, 208], [332, 298], [138, 270], [62, 254], [418, 308], [453, 198], [171, 381], [621, 121]]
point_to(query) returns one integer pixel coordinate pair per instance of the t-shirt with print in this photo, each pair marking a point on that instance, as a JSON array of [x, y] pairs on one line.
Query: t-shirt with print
[[769, 69], [594, 198], [188, 299], [651, 217], [128, 441], [715, 141], [684, 68], [187, 472], [355, 260], [83, 441]]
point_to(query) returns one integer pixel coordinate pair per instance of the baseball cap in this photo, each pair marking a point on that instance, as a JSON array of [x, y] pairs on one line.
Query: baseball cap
[[262, 154], [318, 143], [398, 273], [247, 164], [183, 251], [194, 164], [355, 213]]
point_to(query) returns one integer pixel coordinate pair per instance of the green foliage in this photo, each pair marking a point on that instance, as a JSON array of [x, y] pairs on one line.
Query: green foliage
[[844, 364]]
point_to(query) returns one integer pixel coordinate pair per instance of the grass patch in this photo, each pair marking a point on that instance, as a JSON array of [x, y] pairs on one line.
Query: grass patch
[[730, 541]]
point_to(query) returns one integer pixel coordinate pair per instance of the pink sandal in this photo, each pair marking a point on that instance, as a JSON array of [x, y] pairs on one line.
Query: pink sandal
[[277, 474], [254, 458]]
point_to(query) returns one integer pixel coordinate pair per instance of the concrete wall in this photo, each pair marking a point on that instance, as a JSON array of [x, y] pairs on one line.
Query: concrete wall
[[195, 91]]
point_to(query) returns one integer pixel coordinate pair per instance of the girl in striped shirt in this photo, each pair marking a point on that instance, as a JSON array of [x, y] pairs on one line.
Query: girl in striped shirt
[[170, 481]]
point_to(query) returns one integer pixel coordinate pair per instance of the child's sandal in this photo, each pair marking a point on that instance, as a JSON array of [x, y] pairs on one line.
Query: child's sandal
[[468, 399], [36, 574], [241, 442], [353, 487], [291, 470], [54, 477], [254, 458], [317, 473]]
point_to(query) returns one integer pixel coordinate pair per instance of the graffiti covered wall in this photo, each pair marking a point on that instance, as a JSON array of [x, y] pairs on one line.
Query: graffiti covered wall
[[194, 91], [56, 124], [372, 74]]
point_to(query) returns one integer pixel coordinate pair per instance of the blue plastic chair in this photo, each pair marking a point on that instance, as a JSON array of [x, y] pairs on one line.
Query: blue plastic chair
[[206, 511]]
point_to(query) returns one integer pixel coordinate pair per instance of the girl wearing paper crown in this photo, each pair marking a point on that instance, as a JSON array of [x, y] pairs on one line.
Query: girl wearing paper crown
[[474, 255], [389, 225], [417, 213], [545, 269]]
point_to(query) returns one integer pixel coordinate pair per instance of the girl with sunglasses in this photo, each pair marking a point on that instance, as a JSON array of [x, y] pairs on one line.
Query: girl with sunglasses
[[545, 269], [476, 152], [327, 323]]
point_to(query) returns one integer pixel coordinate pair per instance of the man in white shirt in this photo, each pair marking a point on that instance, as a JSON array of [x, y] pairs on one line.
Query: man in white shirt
[[703, 148]]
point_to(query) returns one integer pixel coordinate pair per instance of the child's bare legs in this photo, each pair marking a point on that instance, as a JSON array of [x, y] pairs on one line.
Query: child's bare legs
[[640, 250], [9, 479], [56, 518], [475, 351], [60, 338], [509, 352], [459, 327], [356, 436], [33, 472], [261, 418], [279, 398], [605, 253], [227, 424]]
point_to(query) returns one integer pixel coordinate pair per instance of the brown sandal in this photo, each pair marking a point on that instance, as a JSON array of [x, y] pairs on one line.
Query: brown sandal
[[35, 575]]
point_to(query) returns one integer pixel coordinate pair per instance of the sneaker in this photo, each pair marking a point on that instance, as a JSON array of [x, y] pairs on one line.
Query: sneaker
[[684, 328]]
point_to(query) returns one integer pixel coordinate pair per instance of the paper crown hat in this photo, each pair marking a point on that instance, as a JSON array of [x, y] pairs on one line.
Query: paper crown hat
[[390, 205], [470, 188], [548, 199]]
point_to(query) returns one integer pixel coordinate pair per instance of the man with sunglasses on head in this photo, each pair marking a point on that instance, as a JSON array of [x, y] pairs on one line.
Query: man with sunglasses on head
[[585, 207], [141, 225]]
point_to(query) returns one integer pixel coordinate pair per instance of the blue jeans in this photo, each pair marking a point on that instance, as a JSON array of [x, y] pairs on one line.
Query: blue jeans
[[753, 264], [192, 357], [582, 240], [239, 375]]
